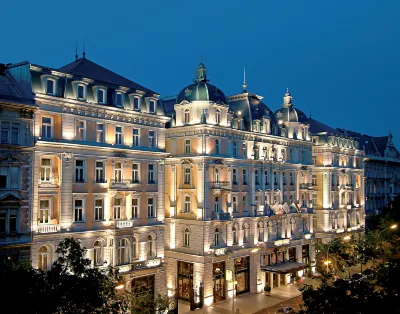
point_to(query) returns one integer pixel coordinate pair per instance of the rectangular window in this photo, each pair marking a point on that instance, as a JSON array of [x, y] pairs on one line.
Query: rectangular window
[[80, 130], [47, 127], [135, 173], [45, 170], [135, 137], [150, 207], [151, 174], [244, 176], [187, 146], [217, 148], [98, 210], [275, 178], [100, 133], [78, 212], [216, 204], [152, 138], [257, 179], [136, 105], [244, 150], [152, 106], [314, 180], [188, 176], [315, 199], [187, 204], [79, 170], [118, 172], [266, 177], [118, 135], [100, 96], [234, 176], [235, 149], [117, 208], [234, 204], [81, 92], [50, 87], [100, 178], [135, 208], [291, 178], [8, 220], [118, 100], [10, 133], [44, 211]]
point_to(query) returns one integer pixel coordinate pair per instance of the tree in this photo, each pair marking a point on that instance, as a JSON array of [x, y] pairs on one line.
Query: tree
[[148, 304], [375, 290]]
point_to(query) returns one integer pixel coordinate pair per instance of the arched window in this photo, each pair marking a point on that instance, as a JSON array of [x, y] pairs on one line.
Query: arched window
[[245, 229], [234, 235], [186, 239], [218, 116], [98, 253], [216, 175], [260, 232], [187, 116], [216, 237], [43, 258], [150, 246], [123, 252], [187, 204], [135, 248]]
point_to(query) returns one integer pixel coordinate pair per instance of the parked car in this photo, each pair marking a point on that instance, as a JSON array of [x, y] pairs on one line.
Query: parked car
[[285, 310]]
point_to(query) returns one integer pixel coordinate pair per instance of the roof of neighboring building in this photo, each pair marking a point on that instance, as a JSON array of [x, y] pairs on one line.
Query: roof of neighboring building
[[85, 68], [319, 127], [10, 88]]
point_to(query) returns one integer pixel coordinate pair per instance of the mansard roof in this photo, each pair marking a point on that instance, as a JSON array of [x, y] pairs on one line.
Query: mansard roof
[[319, 127], [83, 67], [10, 89]]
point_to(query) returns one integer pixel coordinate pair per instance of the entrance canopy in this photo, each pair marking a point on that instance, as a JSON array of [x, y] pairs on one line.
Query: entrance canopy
[[284, 268]]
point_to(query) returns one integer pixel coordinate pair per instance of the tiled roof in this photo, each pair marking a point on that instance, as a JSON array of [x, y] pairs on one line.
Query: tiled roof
[[85, 68], [319, 127]]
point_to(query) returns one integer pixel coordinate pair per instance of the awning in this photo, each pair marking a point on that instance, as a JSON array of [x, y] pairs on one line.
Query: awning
[[284, 268]]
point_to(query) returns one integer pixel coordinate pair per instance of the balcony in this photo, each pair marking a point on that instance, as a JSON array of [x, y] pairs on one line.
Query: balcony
[[222, 216], [123, 224], [221, 185], [306, 186], [52, 183], [48, 228], [124, 185], [136, 265]]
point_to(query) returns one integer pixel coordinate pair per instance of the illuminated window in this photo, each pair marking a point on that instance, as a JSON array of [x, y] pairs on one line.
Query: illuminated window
[[118, 172], [47, 127], [123, 252], [135, 208], [98, 253], [44, 211], [117, 208], [118, 135], [187, 116], [98, 209], [45, 170], [186, 239], [187, 204], [135, 135], [99, 132], [150, 208], [78, 210], [43, 258]]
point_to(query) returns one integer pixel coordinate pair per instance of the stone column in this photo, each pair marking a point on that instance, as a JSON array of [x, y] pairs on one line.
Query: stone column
[[200, 191], [161, 190], [254, 268], [66, 182]]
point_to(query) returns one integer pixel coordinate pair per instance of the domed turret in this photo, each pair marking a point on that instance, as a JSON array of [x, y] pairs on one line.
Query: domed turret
[[201, 90], [288, 113]]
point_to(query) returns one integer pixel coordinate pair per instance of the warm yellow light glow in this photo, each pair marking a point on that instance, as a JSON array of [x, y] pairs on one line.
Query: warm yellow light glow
[[347, 238], [119, 287], [393, 226], [327, 262], [239, 113], [254, 250]]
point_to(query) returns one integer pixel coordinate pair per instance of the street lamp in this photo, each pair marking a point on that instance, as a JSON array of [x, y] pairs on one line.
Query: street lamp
[[390, 227], [327, 261]]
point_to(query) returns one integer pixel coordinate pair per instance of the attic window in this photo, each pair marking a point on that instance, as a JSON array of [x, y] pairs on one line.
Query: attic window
[[136, 103], [118, 99], [152, 106], [100, 96], [50, 87], [80, 92]]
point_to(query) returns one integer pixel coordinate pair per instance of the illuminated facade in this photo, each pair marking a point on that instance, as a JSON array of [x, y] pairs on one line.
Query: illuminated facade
[[16, 153], [338, 175], [238, 193], [98, 170]]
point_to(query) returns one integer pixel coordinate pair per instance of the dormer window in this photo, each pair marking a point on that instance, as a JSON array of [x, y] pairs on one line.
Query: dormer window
[[187, 116], [152, 106], [119, 99], [80, 92], [136, 103], [100, 96], [218, 116], [50, 87]]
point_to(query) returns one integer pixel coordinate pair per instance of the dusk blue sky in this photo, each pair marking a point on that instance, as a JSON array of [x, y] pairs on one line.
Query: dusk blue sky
[[340, 59]]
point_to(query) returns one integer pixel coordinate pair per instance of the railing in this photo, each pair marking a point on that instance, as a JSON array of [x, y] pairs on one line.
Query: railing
[[123, 224], [48, 228], [127, 183], [222, 216], [306, 186], [53, 182], [136, 265], [221, 185]]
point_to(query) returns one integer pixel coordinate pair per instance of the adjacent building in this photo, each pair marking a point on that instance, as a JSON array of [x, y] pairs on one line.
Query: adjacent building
[[98, 170], [17, 107]]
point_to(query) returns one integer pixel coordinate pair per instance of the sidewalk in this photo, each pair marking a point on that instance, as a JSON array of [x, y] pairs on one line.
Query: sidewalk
[[248, 303]]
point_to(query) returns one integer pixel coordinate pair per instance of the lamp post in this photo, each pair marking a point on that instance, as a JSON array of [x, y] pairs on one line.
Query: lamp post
[[378, 237], [327, 251]]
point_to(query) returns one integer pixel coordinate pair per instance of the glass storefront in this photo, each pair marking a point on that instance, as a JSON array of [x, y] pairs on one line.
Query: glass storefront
[[219, 281], [242, 274], [185, 280], [142, 286]]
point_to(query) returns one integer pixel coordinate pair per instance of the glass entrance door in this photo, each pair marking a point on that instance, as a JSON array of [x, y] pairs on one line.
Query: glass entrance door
[[219, 281], [185, 280]]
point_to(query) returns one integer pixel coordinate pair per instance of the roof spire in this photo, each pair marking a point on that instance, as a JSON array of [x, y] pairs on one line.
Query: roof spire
[[76, 51], [287, 99], [84, 50], [244, 80], [310, 113], [201, 72]]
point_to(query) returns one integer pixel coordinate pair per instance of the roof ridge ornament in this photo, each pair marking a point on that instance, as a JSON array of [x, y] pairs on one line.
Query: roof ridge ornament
[[201, 72], [76, 51], [244, 80], [84, 50], [287, 99]]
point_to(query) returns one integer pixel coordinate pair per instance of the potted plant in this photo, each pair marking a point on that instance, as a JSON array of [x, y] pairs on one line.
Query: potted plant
[[267, 289]]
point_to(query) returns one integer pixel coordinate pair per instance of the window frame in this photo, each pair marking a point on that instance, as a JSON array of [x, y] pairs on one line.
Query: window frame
[[151, 207], [97, 169], [47, 126], [100, 132], [8, 213], [135, 208], [152, 139], [119, 136], [98, 211], [84, 91], [83, 168], [186, 237], [49, 211], [10, 131], [151, 174], [53, 92], [187, 204], [79, 129], [82, 208], [187, 146], [135, 137]]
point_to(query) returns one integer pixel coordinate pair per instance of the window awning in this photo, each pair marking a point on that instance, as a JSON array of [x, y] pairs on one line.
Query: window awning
[[284, 268]]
